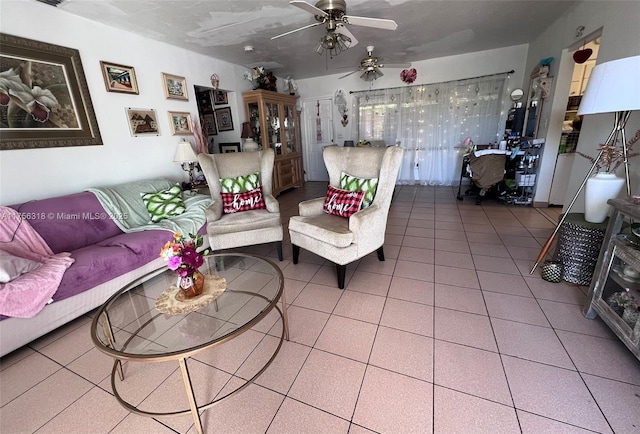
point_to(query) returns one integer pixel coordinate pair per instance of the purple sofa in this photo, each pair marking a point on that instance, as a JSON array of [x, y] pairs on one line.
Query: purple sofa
[[106, 259]]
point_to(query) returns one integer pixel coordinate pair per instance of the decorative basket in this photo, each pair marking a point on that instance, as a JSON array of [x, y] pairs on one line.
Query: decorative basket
[[552, 271]]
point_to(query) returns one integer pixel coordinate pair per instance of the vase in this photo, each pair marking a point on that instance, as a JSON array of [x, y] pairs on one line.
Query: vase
[[598, 190], [192, 286]]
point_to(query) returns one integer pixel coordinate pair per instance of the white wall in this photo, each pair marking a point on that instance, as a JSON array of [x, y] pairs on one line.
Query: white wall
[[39, 173], [620, 35], [429, 71]]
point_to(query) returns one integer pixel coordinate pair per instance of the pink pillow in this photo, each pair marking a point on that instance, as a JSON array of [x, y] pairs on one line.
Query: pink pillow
[[237, 202], [343, 203]]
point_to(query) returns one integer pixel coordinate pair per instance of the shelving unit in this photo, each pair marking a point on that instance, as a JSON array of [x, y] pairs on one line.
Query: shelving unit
[[276, 123], [524, 170], [614, 294]]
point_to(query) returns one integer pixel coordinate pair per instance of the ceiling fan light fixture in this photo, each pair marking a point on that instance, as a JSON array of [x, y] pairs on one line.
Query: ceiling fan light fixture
[[333, 42], [371, 74]]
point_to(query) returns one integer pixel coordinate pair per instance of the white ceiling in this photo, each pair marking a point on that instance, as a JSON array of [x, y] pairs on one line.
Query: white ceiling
[[426, 28]]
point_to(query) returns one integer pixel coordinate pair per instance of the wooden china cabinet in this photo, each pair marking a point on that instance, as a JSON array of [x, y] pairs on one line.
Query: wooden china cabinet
[[276, 124]]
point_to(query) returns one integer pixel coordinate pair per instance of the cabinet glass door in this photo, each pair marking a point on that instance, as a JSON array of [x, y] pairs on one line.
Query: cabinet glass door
[[273, 127], [254, 120], [290, 127], [621, 290]]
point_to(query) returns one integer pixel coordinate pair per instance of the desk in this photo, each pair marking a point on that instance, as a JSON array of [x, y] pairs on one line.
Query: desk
[[128, 326]]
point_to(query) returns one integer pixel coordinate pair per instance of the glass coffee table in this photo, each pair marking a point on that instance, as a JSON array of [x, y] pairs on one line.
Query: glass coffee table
[[129, 326]]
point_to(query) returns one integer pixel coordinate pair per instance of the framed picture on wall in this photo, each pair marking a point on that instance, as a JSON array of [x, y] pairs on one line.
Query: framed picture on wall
[[175, 87], [119, 78], [224, 120], [180, 123], [229, 147], [142, 122], [209, 121], [220, 97], [64, 116]]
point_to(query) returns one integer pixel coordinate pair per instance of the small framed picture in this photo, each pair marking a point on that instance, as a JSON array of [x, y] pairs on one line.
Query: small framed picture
[[180, 123], [142, 122], [225, 148], [224, 120], [119, 78], [209, 121], [175, 87], [220, 97]]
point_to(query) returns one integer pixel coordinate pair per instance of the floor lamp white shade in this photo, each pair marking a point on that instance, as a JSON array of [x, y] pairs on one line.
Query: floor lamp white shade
[[613, 86]]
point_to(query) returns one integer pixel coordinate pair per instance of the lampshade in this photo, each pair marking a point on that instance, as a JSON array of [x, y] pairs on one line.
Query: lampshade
[[184, 153], [247, 131], [613, 87], [334, 42]]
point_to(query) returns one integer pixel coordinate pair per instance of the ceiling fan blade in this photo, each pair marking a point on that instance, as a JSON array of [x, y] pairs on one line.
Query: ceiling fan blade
[[395, 65], [343, 29], [378, 23], [346, 75], [308, 7], [296, 30]]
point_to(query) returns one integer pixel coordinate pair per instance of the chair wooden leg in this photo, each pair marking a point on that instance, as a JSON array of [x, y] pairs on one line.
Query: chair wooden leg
[[380, 253], [296, 253], [341, 269], [279, 249]]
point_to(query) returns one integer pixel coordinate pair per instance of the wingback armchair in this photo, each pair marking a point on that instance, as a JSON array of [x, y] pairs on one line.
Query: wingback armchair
[[344, 240], [245, 228]]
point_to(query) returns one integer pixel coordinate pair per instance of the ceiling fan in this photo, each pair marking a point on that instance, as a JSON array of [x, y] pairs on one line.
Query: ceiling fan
[[333, 14], [371, 66]]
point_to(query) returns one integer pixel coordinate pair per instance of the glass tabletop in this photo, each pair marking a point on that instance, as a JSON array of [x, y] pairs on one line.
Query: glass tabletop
[[139, 330]]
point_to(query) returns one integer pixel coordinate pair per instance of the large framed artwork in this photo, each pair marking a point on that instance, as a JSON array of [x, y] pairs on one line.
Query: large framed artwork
[[224, 119], [175, 87], [44, 97], [119, 78], [142, 122], [180, 123]]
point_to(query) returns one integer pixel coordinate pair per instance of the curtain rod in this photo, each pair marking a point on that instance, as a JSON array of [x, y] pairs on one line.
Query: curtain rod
[[440, 82]]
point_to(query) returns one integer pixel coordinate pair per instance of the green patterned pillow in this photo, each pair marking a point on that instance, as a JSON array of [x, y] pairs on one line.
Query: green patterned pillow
[[240, 184], [352, 183], [164, 203]]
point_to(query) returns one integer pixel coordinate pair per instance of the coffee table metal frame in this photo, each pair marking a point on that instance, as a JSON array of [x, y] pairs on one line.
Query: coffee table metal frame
[[102, 317]]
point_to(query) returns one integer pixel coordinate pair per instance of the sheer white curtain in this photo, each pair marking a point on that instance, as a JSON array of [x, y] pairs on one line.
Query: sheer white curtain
[[431, 122]]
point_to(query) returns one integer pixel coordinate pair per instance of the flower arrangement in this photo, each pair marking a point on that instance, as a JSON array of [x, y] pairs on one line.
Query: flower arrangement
[[182, 256], [612, 155], [261, 78]]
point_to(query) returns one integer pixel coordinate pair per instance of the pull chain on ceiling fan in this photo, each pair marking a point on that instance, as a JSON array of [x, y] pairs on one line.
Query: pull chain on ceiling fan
[[333, 14]]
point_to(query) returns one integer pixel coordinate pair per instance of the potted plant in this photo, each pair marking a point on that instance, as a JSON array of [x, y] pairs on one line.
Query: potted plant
[[605, 184]]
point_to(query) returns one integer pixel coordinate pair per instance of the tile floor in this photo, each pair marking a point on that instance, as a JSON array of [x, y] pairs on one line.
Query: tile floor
[[449, 334]]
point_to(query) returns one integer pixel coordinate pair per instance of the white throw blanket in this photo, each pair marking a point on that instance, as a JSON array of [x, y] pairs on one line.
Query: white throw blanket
[[26, 295]]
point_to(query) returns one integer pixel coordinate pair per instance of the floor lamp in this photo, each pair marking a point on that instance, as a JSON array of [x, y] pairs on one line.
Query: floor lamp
[[613, 87]]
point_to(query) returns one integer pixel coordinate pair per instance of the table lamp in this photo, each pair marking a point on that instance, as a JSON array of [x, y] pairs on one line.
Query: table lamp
[[186, 157], [247, 133]]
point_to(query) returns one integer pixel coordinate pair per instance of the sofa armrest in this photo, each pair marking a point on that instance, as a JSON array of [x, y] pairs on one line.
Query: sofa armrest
[[214, 211], [371, 218], [272, 203], [311, 207]]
